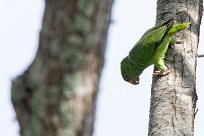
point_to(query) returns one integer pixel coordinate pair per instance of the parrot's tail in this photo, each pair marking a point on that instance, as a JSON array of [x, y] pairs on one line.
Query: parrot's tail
[[169, 25], [178, 27]]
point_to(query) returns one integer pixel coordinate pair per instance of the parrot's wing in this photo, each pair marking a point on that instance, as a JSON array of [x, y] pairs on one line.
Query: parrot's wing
[[142, 52]]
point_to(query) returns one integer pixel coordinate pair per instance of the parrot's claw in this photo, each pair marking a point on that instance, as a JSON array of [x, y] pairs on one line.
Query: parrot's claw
[[172, 46], [161, 73]]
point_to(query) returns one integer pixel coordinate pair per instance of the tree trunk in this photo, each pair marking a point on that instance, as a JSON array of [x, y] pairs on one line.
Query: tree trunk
[[173, 97], [56, 95]]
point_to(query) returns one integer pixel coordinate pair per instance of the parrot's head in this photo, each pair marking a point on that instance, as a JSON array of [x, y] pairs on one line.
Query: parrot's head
[[128, 71]]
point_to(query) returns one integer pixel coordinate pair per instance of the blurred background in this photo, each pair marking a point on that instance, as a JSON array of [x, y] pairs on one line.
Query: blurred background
[[122, 109]]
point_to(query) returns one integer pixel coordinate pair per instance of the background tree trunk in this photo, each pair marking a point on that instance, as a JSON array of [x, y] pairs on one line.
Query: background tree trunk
[[173, 97], [56, 95]]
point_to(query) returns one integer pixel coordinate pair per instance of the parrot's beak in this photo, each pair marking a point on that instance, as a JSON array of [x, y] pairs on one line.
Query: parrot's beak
[[134, 82]]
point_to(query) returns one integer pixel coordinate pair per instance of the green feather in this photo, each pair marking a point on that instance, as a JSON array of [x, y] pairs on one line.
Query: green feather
[[150, 49]]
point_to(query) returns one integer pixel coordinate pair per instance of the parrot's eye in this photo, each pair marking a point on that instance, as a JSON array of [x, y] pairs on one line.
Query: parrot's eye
[[126, 78]]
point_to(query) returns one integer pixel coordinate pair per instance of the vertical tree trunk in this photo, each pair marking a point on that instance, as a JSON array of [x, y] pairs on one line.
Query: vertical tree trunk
[[56, 95], [173, 97]]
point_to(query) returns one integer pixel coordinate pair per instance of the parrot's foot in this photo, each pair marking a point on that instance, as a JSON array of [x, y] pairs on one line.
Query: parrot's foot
[[161, 73], [172, 46]]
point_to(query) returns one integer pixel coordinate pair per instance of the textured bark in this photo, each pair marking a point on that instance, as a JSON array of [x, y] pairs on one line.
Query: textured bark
[[173, 97], [56, 95]]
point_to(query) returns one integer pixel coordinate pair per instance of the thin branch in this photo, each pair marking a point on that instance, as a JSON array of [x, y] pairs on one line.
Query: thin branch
[[202, 55], [195, 112]]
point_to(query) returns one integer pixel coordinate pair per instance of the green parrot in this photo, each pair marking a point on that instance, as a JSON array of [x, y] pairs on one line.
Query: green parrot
[[151, 49]]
